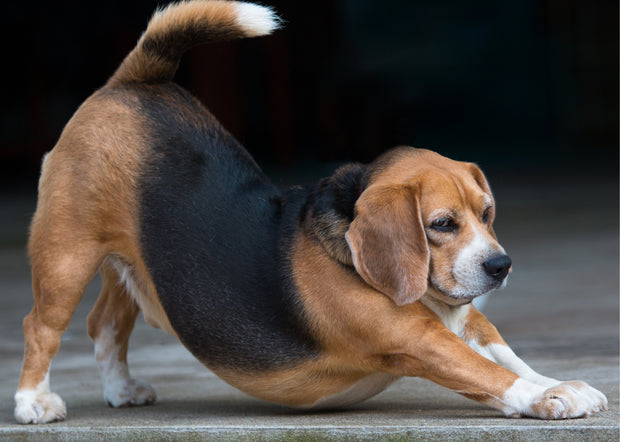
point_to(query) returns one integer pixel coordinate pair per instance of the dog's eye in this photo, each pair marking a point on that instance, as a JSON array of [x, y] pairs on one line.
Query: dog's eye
[[444, 225], [485, 215]]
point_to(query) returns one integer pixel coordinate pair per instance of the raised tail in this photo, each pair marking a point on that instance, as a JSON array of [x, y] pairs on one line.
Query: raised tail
[[179, 26]]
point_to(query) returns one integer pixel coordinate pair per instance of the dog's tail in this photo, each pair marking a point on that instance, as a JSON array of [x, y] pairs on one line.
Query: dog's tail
[[180, 26]]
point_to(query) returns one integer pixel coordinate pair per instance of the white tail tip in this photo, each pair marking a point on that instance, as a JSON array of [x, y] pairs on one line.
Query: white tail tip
[[256, 20]]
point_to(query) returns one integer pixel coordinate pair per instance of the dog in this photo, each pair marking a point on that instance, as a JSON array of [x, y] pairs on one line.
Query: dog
[[316, 296]]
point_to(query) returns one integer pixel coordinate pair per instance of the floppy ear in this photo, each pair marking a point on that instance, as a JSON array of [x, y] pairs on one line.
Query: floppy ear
[[388, 243]]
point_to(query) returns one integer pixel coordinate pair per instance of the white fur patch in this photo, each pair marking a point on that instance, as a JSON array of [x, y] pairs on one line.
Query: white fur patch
[[39, 406], [256, 20], [468, 269], [505, 357], [518, 399], [113, 372], [453, 317], [126, 278]]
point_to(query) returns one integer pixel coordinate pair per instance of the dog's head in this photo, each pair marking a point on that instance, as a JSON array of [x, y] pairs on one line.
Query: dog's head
[[414, 222]]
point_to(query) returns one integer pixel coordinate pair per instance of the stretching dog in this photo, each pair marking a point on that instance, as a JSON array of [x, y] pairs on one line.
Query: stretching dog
[[320, 296]]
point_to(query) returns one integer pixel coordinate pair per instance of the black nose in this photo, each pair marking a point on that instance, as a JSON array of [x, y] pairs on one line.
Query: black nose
[[498, 266]]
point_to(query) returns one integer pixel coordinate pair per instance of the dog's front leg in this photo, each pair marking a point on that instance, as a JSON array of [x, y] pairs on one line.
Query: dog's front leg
[[484, 338], [435, 353]]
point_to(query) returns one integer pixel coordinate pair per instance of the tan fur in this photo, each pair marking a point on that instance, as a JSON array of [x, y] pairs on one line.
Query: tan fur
[[302, 386], [479, 329], [388, 242], [86, 210]]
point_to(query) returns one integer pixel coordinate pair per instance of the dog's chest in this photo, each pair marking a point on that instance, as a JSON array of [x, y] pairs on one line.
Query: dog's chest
[[454, 318]]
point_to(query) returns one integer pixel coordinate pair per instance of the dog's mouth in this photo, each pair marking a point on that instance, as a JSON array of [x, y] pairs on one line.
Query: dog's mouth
[[463, 296]]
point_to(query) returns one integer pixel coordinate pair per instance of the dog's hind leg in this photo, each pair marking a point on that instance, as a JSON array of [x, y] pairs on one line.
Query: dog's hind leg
[[62, 266], [109, 325]]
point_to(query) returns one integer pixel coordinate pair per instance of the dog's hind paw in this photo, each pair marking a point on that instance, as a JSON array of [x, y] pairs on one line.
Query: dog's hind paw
[[32, 407], [127, 393]]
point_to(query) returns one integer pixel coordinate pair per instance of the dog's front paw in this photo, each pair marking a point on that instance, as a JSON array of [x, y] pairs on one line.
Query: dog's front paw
[[32, 407], [568, 400], [588, 394], [127, 393]]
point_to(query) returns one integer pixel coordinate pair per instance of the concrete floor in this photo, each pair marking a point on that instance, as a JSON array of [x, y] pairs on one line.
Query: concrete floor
[[559, 313]]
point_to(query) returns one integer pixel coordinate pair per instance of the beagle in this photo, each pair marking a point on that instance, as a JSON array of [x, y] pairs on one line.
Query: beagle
[[318, 296]]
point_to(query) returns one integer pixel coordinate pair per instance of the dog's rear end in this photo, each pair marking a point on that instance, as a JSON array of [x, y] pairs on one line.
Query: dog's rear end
[[86, 217]]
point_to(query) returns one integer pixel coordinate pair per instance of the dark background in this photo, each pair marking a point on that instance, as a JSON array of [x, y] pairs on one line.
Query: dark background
[[528, 89]]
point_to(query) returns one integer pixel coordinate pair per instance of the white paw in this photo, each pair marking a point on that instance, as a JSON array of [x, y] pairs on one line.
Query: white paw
[[569, 400], [128, 393], [39, 408], [591, 399]]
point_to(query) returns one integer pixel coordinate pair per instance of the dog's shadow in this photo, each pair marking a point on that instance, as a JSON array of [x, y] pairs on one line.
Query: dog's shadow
[[234, 412]]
